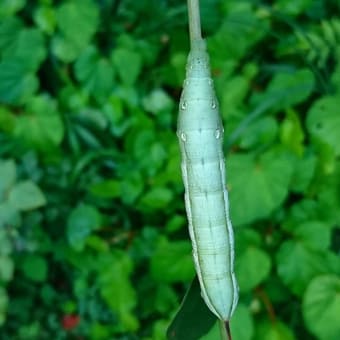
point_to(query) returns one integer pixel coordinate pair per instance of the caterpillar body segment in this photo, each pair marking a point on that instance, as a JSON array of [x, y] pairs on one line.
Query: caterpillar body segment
[[200, 134]]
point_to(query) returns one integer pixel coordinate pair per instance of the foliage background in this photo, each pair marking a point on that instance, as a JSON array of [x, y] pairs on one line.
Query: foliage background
[[93, 235]]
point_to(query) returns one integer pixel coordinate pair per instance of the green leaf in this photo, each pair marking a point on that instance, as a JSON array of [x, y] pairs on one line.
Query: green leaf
[[17, 84], [128, 65], [35, 268], [26, 195], [131, 187], [6, 246], [81, 222], [213, 334], [9, 216], [291, 133], [72, 18], [257, 186], [45, 19], [157, 102], [10, 7], [314, 234], [262, 131], [26, 41], [242, 323], [321, 307], [288, 89], [185, 326], [252, 266], [6, 268], [116, 289], [303, 173], [41, 125], [323, 121], [4, 300], [292, 7], [95, 73], [8, 174], [106, 189], [237, 31], [297, 265], [273, 331], [172, 261], [156, 198]]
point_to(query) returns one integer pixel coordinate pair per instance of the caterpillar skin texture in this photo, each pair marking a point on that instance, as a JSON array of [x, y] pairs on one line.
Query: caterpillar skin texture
[[200, 134]]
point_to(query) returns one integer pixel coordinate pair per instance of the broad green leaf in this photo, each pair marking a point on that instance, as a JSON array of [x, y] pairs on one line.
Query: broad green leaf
[[159, 329], [65, 49], [128, 65], [21, 47], [80, 223], [6, 268], [7, 120], [237, 31], [303, 173], [297, 264], [6, 245], [9, 216], [288, 89], [172, 261], [214, 333], [291, 133], [166, 298], [323, 121], [314, 234], [26, 195], [72, 18], [41, 125], [257, 186], [292, 7], [131, 187], [156, 198], [185, 325], [242, 323], [4, 300], [321, 307], [9, 29], [10, 7], [116, 288], [8, 174], [273, 331], [35, 268], [252, 266], [106, 189], [45, 19], [262, 131], [95, 73], [233, 94], [158, 102], [17, 84]]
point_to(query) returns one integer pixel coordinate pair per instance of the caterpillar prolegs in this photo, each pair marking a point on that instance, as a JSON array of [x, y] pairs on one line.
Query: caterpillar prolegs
[[200, 134]]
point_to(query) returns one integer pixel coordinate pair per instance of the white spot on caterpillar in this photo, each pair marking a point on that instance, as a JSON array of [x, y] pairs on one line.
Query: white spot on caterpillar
[[217, 133]]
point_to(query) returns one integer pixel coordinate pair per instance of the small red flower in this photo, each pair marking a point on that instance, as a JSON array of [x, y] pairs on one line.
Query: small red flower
[[70, 321]]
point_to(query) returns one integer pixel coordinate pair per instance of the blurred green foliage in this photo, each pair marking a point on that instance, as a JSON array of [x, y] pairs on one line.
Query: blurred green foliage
[[93, 235]]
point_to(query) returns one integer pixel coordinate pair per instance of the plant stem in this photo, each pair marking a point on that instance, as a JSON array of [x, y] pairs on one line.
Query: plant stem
[[224, 330], [194, 20]]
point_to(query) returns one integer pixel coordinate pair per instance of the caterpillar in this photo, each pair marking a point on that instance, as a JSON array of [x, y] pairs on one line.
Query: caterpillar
[[200, 133]]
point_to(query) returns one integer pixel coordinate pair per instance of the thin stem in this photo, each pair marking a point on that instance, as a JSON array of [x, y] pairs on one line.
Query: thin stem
[[225, 330], [194, 20]]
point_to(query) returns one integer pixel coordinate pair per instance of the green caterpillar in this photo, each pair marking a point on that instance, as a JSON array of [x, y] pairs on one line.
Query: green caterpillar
[[200, 133]]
